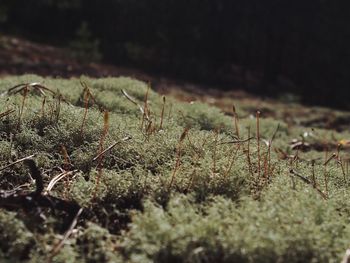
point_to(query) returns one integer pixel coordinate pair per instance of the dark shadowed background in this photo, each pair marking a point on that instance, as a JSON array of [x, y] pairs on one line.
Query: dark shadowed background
[[270, 47]]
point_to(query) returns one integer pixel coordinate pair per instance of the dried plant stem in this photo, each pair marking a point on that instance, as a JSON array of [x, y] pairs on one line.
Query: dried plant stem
[[100, 159], [18, 161], [178, 157], [236, 141], [258, 140], [111, 147], [340, 162], [43, 107], [248, 155], [131, 99], [86, 108], [235, 120], [5, 113], [56, 179], [314, 184], [307, 181], [25, 93], [170, 111], [232, 159], [58, 107], [66, 235], [162, 115], [268, 170], [145, 114], [215, 150], [67, 162], [327, 160], [334, 155]]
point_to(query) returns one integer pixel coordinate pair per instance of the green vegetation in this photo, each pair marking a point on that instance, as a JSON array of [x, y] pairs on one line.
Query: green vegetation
[[164, 181]]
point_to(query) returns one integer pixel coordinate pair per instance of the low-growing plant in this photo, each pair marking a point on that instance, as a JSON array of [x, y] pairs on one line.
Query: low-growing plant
[[162, 181]]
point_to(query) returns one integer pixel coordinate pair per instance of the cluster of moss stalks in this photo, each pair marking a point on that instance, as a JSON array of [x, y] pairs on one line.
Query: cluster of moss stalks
[[164, 181]]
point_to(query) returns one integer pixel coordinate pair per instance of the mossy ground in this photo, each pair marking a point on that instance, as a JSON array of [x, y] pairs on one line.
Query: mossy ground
[[179, 185]]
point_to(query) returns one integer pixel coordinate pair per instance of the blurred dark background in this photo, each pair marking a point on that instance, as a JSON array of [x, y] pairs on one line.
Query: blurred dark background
[[270, 47]]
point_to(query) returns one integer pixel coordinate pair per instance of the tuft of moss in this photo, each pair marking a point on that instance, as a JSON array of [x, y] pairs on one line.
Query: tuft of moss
[[189, 191]]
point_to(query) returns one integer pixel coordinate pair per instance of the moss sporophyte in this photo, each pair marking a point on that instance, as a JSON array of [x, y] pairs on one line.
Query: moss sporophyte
[[107, 170]]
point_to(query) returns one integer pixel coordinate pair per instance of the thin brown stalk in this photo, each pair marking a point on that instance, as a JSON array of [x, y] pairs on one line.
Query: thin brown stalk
[[25, 93], [235, 120], [66, 235], [162, 114], [86, 108], [232, 160], [248, 155], [58, 107], [66, 166], [170, 111], [327, 160], [66, 158], [43, 107], [307, 181], [178, 157], [334, 155], [313, 173], [258, 140], [6, 113], [340, 161], [100, 160], [236, 141], [214, 150]]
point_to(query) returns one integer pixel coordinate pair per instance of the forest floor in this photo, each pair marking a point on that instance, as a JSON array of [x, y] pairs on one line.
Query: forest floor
[[103, 169], [20, 56]]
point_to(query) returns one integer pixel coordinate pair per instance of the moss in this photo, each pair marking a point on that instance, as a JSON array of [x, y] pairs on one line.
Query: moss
[[184, 192], [15, 239], [97, 245], [221, 231]]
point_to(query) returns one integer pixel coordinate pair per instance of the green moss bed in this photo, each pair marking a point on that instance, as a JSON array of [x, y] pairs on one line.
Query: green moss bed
[[160, 180]]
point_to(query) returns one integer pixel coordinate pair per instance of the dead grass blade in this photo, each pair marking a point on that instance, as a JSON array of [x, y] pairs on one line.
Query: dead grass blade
[[237, 141], [111, 147], [66, 235], [18, 161], [56, 179], [5, 113], [131, 99], [307, 181], [33, 86]]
